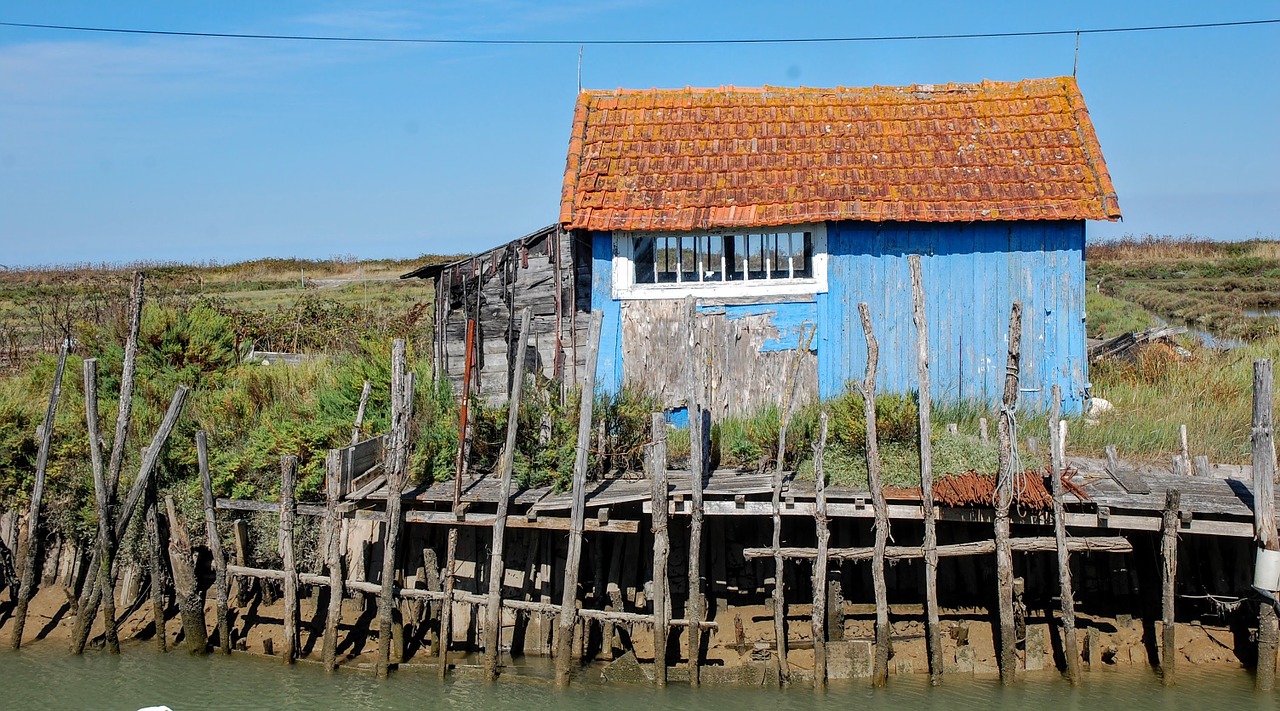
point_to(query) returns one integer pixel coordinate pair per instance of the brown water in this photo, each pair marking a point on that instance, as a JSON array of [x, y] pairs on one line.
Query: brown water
[[48, 678]]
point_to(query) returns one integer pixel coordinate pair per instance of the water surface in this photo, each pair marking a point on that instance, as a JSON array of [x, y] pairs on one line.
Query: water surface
[[49, 678]]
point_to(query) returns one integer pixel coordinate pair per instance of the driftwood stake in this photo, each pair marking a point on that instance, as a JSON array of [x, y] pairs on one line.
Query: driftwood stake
[[880, 662], [1004, 497], [1057, 436], [661, 547], [288, 483], [156, 560], [698, 430], [185, 586], [364, 402], [28, 550], [569, 599], [215, 544], [395, 460], [933, 635], [819, 612], [333, 556], [1264, 510], [1169, 555], [451, 548], [106, 539], [497, 563]]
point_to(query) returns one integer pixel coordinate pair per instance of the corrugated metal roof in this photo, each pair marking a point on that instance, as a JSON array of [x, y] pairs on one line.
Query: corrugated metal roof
[[731, 157]]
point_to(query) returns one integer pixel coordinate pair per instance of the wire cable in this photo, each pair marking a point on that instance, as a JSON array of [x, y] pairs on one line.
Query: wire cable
[[634, 42]]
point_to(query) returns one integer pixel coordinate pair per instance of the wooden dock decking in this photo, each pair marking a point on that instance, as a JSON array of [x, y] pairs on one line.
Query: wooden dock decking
[[1219, 504]]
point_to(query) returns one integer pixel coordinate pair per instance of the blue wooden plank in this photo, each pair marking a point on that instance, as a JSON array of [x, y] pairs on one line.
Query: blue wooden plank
[[609, 364]]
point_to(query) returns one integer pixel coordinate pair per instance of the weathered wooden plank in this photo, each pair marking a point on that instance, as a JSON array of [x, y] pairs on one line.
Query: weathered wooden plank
[[933, 637], [26, 586], [568, 603], [880, 663]]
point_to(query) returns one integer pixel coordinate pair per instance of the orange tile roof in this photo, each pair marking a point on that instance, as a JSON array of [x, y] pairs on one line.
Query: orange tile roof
[[703, 158]]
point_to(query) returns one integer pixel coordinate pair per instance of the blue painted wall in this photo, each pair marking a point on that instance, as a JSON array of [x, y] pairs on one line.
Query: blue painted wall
[[972, 275]]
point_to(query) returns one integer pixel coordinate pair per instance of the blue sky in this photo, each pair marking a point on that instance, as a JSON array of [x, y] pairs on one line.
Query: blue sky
[[120, 148]]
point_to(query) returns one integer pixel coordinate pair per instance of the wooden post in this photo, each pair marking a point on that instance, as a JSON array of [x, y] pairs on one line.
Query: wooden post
[[185, 586], [106, 540], [880, 663], [1057, 436], [1006, 432], [396, 458], [214, 542], [779, 584], [157, 568], [451, 548], [1169, 554], [497, 563], [364, 402], [333, 557], [93, 594], [1264, 509], [661, 547], [933, 635], [573, 559], [28, 550], [982, 429], [288, 483], [819, 611], [1186, 452], [697, 479]]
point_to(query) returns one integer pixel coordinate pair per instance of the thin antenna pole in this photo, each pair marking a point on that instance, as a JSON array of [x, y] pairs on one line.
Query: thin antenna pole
[[580, 65], [1075, 64]]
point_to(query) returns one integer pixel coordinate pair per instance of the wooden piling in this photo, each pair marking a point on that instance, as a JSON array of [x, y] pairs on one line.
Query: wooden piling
[[186, 587], [214, 541], [1169, 556], [28, 550], [333, 557], [288, 484], [106, 540], [779, 583], [933, 626], [696, 611], [497, 563], [156, 559], [661, 547], [1057, 436], [395, 462], [880, 661], [819, 611], [569, 599], [451, 547], [91, 595], [1007, 432], [982, 429], [1264, 510]]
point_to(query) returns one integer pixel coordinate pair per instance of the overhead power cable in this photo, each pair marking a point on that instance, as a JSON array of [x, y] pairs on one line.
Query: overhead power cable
[[601, 42]]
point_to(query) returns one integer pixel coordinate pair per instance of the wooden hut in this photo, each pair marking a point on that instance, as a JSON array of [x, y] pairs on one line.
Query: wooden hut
[[781, 209]]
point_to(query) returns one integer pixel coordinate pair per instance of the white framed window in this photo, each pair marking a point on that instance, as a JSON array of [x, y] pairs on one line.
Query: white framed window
[[727, 263]]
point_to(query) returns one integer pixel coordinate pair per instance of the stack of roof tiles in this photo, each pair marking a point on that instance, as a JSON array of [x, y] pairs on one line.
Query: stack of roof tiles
[[730, 157]]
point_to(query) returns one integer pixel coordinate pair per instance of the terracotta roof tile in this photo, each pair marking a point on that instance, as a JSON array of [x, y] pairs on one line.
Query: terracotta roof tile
[[702, 158]]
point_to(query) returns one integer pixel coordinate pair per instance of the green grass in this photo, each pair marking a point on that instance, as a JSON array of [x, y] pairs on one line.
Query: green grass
[[1109, 316]]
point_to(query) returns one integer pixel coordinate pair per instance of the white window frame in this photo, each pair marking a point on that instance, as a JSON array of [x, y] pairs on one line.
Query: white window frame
[[625, 286]]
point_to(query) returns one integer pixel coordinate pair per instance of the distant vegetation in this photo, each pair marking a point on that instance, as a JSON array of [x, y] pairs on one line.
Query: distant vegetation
[[1207, 284]]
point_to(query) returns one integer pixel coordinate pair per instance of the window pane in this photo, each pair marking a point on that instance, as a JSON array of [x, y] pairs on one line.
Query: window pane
[[735, 257], [666, 259], [642, 249], [689, 258], [755, 257], [713, 255], [802, 257]]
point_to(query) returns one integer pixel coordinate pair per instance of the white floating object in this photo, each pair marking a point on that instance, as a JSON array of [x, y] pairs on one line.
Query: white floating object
[[1098, 406]]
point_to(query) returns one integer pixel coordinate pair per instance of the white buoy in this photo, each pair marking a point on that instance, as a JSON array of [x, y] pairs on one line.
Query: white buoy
[[1266, 570]]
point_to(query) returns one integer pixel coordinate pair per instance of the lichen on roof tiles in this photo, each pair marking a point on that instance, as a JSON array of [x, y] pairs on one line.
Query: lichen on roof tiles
[[678, 159]]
